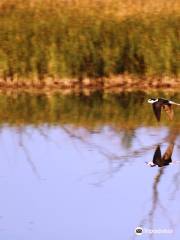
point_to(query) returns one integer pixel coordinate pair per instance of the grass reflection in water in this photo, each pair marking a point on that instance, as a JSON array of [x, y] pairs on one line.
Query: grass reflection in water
[[124, 110]]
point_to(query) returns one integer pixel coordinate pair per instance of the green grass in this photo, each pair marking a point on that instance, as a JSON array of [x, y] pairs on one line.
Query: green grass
[[61, 41]]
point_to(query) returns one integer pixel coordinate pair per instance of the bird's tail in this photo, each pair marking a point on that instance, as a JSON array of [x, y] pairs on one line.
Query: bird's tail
[[174, 103]]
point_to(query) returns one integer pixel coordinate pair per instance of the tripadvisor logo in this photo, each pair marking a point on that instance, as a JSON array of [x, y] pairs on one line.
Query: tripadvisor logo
[[138, 231]]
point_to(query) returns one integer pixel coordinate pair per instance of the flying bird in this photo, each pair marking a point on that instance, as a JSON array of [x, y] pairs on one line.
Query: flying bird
[[161, 103], [159, 160]]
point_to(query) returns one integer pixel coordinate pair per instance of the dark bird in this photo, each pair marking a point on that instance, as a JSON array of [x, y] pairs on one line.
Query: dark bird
[[164, 160], [159, 103]]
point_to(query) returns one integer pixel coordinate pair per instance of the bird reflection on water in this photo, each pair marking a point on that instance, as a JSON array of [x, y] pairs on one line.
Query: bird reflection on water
[[159, 160]]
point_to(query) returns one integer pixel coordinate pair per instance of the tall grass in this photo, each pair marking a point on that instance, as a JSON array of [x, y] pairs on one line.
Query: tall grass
[[61, 39]]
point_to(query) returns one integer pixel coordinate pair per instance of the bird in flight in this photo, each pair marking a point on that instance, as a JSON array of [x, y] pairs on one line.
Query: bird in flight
[[159, 160], [161, 103]]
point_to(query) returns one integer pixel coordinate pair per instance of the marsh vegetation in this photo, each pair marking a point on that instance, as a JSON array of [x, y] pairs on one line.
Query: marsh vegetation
[[88, 39]]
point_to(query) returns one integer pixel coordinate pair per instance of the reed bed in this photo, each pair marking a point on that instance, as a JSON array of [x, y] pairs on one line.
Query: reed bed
[[94, 39]]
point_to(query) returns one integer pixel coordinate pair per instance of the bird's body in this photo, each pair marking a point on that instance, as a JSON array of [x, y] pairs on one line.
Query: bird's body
[[161, 103], [164, 160]]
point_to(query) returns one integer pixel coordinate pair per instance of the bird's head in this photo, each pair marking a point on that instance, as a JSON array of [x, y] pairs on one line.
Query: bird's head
[[152, 100], [150, 164]]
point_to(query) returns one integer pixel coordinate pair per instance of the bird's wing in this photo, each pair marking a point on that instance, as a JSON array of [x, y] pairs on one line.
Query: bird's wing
[[157, 155], [169, 110], [157, 110], [169, 151]]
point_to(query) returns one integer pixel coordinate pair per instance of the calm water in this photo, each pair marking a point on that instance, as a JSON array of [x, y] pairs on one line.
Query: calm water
[[74, 168]]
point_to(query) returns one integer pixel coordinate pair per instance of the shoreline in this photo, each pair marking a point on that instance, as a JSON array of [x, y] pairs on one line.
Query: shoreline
[[108, 84]]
